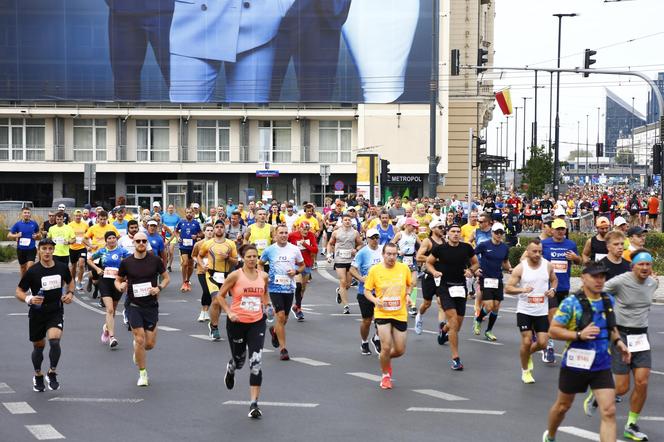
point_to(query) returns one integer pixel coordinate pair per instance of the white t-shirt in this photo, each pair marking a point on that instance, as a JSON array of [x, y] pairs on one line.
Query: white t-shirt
[[534, 303]]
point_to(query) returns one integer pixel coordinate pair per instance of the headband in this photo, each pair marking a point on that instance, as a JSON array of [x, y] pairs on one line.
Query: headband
[[642, 257]]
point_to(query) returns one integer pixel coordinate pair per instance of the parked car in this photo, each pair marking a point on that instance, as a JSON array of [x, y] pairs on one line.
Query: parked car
[[15, 205]]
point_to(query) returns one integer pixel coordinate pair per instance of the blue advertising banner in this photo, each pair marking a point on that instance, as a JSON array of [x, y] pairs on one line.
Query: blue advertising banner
[[232, 51]]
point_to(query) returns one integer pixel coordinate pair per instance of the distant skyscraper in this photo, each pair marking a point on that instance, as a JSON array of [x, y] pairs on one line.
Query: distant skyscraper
[[653, 108], [619, 121]]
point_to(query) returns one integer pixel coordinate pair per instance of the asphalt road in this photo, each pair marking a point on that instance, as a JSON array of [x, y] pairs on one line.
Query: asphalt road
[[329, 391]]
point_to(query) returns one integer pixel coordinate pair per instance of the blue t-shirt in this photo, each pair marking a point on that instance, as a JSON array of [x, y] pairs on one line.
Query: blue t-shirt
[[554, 252], [491, 258], [170, 220], [481, 236], [230, 208], [363, 261], [27, 229], [121, 226], [281, 260], [188, 230], [157, 243], [110, 258], [568, 313], [385, 235]]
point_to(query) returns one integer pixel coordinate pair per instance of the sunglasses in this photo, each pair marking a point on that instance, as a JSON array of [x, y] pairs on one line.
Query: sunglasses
[[141, 241], [374, 237], [499, 232]]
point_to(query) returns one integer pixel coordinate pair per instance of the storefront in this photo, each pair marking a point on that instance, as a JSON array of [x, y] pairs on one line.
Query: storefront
[[403, 185]]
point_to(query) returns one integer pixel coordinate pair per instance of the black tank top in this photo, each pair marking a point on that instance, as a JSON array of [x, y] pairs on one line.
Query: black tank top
[[434, 244], [597, 246]]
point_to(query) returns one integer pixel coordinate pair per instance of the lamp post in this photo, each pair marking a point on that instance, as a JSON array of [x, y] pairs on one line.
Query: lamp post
[[587, 153], [631, 129], [523, 148], [516, 126], [556, 158], [596, 153]]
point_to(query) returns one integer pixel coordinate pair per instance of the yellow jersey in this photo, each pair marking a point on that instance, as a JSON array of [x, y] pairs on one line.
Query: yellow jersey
[[212, 250], [79, 231], [467, 232], [424, 221], [96, 235], [389, 285], [260, 237], [313, 223]]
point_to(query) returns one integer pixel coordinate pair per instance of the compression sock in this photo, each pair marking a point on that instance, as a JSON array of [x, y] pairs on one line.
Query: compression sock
[[54, 352], [37, 357], [298, 295], [413, 296], [482, 315], [492, 320], [632, 418]]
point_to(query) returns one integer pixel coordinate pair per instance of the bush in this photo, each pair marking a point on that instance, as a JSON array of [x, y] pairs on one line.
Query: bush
[[515, 254], [7, 253]]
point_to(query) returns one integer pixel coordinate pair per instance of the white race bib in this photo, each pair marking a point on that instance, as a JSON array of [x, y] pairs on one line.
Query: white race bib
[[423, 229], [260, 244], [59, 240], [637, 343], [251, 304], [344, 254], [600, 256], [436, 280], [110, 272], [457, 291], [187, 242], [408, 260], [79, 240], [282, 280], [51, 282], [559, 266], [391, 303], [141, 290], [491, 283], [535, 298], [578, 358], [122, 232], [218, 277], [24, 242]]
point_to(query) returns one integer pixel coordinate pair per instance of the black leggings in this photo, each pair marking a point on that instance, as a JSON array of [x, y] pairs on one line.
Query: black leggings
[[206, 299], [243, 336]]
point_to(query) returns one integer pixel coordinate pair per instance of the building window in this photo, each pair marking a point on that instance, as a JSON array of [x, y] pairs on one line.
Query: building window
[[334, 141], [89, 140], [152, 140], [22, 139], [214, 141], [275, 141]]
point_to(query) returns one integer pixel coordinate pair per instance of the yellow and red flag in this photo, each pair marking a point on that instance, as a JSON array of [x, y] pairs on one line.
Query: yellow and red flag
[[504, 101]]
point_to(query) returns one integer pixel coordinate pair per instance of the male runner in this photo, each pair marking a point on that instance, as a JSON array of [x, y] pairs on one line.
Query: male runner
[[170, 220], [595, 247], [187, 231], [25, 232], [62, 235], [341, 249], [78, 251], [308, 245], [428, 282]]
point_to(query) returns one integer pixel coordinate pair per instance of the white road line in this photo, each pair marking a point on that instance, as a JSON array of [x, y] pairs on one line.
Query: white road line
[[661, 373], [7, 297], [652, 418], [5, 389], [311, 362], [661, 333], [580, 432], [174, 300], [485, 342], [274, 404], [343, 314], [19, 407], [441, 395], [104, 400], [17, 314], [457, 411], [368, 376], [203, 337], [94, 309], [324, 273], [44, 432], [425, 331], [166, 328]]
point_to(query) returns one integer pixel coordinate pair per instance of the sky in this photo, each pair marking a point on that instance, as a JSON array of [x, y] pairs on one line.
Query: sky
[[627, 35]]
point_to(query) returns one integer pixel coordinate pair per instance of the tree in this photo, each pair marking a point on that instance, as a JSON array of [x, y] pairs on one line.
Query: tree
[[624, 157], [538, 171]]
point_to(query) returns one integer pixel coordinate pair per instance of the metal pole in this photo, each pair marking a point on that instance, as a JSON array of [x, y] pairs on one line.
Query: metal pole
[[550, 110], [507, 148], [523, 148], [578, 142], [516, 126], [631, 129], [587, 153], [598, 123], [534, 134], [470, 168], [433, 174]]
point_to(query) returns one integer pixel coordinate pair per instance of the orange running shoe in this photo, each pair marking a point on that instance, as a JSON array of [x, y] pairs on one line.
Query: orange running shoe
[[386, 382]]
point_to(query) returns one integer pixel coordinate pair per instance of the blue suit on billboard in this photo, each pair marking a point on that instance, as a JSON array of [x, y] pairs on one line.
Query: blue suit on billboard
[[239, 33], [310, 34], [132, 24]]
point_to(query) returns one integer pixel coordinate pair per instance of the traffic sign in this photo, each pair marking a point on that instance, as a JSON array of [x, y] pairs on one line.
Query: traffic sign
[[89, 176], [338, 185], [324, 170], [267, 173]]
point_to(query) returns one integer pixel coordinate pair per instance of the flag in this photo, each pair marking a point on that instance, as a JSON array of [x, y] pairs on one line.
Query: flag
[[504, 101], [406, 194]]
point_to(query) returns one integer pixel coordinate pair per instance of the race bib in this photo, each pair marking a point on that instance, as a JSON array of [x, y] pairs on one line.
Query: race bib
[[51, 282], [600, 256], [260, 244], [637, 343], [218, 277], [391, 303], [559, 266], [205, 262], [408, 260], [24, 242], [251, 304], [110, 272], [578, 358], [187, 242], [79, 240], [491, 283], [457, 291], [141, 290], [282, 280], [59, 240], [436, 280], [536, 299], [423, 229], [344, 254], [122, 232]]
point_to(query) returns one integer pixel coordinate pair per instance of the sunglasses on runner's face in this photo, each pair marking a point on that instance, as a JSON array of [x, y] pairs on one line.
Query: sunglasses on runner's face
[[141, 241], [374, 237], [498, 232]]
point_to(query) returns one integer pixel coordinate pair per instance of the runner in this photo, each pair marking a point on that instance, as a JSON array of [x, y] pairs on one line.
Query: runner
[[341, 248], [595, 247], [201, 272], [45, 282], [636, 237], [245, 323], [62, 235], [387, 286], [534, 281], [423, 220], [170, 220], [127, 241], [186, 232], [308, 245], [78, 251], [367, 257], [408, 243], [614, 262], [25, 232], [156, 241], [587, 322], [453, 262], [429, 285], [108, 259], [285, 261], [385, 229], [138, 276], [259, 233]]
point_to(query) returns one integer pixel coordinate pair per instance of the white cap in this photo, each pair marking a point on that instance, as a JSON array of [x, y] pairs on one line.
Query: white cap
[[62, 207], [291, 201], [153, 223], [372, 232], [559, 212], [619, 221], [156, 204], [436, 223], [196, 206], [497, 226]]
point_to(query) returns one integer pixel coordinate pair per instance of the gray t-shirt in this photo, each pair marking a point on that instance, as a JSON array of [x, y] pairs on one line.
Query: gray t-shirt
[[633, 299], [395, 213]]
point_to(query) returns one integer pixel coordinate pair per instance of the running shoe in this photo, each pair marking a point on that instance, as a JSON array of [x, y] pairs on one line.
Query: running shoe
[[477, 327], [113, 342], [346, 309], [79, 286], [456, 364], [419, 323], [293, 310], [527, 377], [365, 349], [338, 290], [283, 355], [530, 363], [183, 287], [546, 438], [104, 335], [543, 355], [275, 340], [299, 315], [101, 304], [589, 404], [254, 411], [633, 432], [550, 355], [412, 312], [215, 334], [38, 383], [188, 286], [490, 336], [386, 382], [229, 377], [125, 319], [53, 383], [375, 342], [618, 399], [201, 316], [170, 269], [206, 316], [143, 380], [442, 335]]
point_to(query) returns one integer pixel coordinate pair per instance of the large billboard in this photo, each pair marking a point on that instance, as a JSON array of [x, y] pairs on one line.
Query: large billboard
[[232, 51]]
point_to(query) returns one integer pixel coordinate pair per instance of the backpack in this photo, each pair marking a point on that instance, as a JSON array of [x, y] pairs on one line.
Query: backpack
[[587, 316], [604, 205]]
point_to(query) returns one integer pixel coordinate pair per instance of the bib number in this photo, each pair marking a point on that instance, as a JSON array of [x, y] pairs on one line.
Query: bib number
[[122, 232], [344, 254], [408, 260], [637, 343], [436, 280], [251, 304], [59, 241], [260, 244], [79, 240], [457, 291], [24, 242], [600, 256], [491, 283], [51, 282], [187, 242], [391, 303], [218, 277], [282, 280], [578, 358], [559, 266], [536, 299], [141, 290], [110, 272], [423, 229]]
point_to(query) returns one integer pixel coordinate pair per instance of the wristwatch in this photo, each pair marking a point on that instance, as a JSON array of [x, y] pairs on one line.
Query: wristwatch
[[578, 336]]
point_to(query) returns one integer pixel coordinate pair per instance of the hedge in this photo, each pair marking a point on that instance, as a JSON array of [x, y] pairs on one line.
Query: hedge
[[7, 253]]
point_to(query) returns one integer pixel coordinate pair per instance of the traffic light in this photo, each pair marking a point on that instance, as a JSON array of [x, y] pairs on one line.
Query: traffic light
[[587, 62], [657, 159], [384, 170], [599, 149], [482, 59], [455, 62], [481, 150]]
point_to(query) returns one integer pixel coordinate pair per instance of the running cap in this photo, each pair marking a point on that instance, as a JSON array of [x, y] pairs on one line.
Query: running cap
[[497, 226], [411, 222], [110, 233], [619, 221], [594, 268], [558, 224], [153, 223], [372, 232], [602, 221], [637, 230], [436, 223]]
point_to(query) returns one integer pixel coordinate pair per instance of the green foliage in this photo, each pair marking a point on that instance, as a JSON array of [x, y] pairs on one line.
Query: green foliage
[[7, 253], [515, 254], [538, 171]]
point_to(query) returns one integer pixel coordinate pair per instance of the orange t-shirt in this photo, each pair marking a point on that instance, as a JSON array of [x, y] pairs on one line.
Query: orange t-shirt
[[653, 205], [248, 295]]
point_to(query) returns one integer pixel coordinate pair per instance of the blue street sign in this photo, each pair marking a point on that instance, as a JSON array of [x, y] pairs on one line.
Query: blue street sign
[[267, 173]]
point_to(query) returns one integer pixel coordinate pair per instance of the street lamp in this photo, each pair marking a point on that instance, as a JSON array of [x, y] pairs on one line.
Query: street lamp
[[596, 145], [587, 174], [556, 158], [516, 125], [523, 148]]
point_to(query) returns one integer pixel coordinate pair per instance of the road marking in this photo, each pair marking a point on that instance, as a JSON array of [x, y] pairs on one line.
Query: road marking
[[19, 407], [457, 411], [94, 309], [339, 314], [661, 373], [44, 432], [441, 395], [104, 400], [651, 418], [580, 432], [203, 337], [5, 389], [309, 311], [322, 272], [368, 376], [7, 297], [175, 300], [274, 404], [18, 314], [311, 362], [425, 331], [485, 342], [166, 328]]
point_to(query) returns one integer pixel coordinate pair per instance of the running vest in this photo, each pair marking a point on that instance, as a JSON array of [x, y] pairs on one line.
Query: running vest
[[247, 296], [598, 249], [344, 245], [587, 316], [534, 303], [385, 235], [407, 244], [260, 237]]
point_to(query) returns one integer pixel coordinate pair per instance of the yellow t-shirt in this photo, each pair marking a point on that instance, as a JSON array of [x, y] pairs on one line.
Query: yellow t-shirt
[[79, 232], [467, 231], [389, 285], [96, 234], [372, 224], [424, 221], [313, 223], [261, 238], [61, 236], [212, 251]]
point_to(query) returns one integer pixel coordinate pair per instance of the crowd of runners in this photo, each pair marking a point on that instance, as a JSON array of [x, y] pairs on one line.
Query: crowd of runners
[[254, 261]]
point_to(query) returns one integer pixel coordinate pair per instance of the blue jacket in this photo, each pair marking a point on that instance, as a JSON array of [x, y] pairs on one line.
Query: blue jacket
[[140, 6]]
